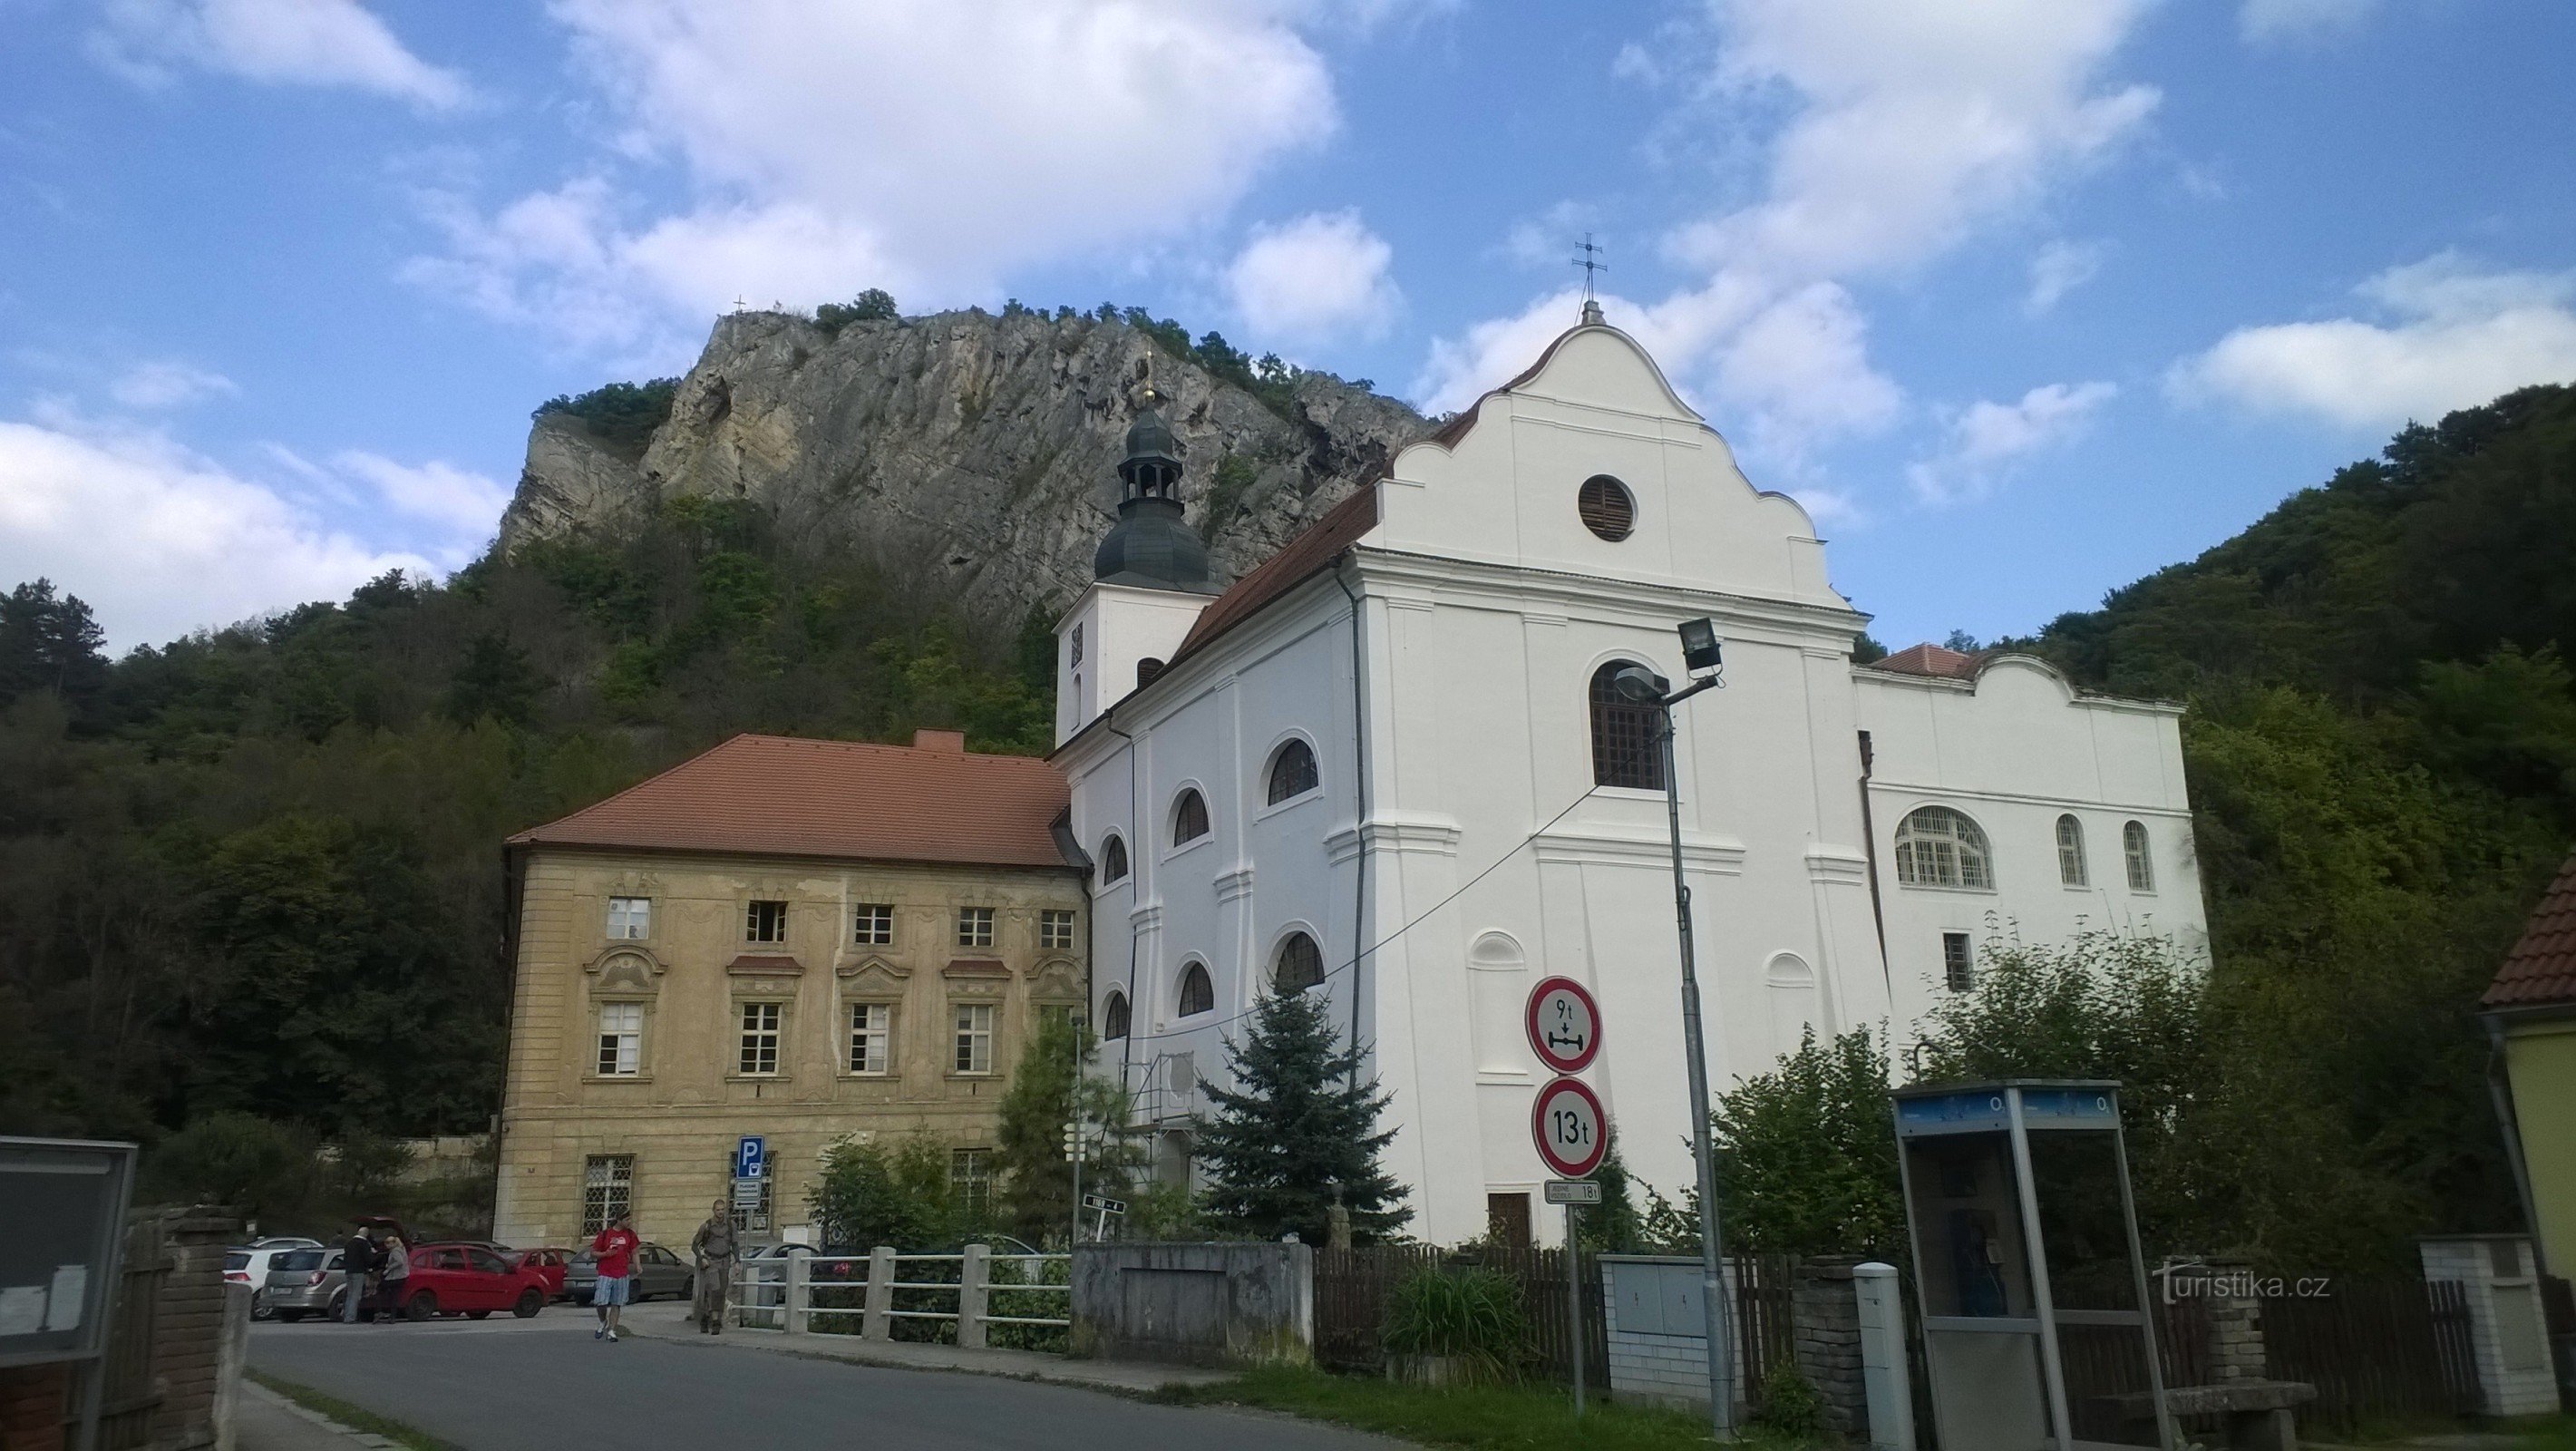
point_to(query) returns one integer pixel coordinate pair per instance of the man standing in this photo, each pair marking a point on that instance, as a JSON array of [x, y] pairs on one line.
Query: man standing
[[357, 1271], [615, 1250], [714, 1248]]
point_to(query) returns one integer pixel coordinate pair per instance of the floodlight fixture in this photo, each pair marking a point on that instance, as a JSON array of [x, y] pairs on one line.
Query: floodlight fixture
[[1700, 646]]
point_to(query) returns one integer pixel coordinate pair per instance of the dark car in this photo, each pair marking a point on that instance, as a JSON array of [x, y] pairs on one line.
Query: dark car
[[657, 1271], [468, 1280]]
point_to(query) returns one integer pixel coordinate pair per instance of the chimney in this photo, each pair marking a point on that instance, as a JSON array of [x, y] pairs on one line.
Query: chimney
[[951, 742]]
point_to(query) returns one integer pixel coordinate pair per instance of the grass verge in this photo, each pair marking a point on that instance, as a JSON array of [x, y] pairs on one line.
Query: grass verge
[[356, 1418], [1495, 1418]]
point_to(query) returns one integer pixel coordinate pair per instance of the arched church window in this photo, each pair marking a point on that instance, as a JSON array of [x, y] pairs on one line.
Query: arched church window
[[1189, 817], [1198, 992], [1300, 965], [1113, 860], [1113, 1016], [1606, 507], [2070, 852], [2142, 867], [1624, 749], [1939, 847], [1292, 772]]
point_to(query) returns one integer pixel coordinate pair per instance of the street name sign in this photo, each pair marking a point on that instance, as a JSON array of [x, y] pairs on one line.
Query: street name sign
[[1564, 1024], [1103, 1204], [1569, 1128]]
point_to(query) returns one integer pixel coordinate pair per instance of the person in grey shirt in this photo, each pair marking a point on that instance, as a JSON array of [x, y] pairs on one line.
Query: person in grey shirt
[[714, 1247], [397, 1273]]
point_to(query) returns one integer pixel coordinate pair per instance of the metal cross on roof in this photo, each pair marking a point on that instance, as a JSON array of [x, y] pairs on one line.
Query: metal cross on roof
[[1591, 263]]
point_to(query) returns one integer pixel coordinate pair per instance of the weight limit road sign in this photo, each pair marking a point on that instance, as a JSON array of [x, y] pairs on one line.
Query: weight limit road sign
[[1569, 1127], [1564, 1024], [1573, 1191]]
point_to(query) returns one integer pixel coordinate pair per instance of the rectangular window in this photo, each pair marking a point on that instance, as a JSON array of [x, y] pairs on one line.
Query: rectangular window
[[630, 918], [760, 1037], [970, 1173], [1077, 646], [1055, 931], [621, 1039], [765, 922], [607, 1190], [872, 924], [868, 1024], [1958, 964], [974, 926], [974, 1038]]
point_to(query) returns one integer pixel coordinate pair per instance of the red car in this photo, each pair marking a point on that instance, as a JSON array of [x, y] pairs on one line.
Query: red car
[[549, 1265], [469, 1280]]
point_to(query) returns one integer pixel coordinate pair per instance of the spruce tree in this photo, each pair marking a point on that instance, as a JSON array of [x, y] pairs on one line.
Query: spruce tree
[[1297, 1121]]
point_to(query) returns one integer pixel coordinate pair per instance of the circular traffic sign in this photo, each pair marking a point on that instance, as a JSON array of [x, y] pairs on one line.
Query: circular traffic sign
[[1564, 1024], [1571, 1131]]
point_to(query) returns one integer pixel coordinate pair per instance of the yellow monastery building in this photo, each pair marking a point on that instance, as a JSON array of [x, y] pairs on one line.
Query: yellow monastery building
[[793, 940]]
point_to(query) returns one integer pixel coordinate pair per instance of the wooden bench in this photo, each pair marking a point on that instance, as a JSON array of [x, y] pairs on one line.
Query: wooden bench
[[2261, 1414]]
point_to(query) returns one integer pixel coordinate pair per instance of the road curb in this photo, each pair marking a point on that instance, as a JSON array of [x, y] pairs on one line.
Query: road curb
[[296, 1408], [844, 1357]]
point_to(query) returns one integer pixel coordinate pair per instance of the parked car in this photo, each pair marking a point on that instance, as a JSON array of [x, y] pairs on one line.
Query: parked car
[[468, 1280], [657, 1272], [549, 1264], [250, 1264], [302, 1282]]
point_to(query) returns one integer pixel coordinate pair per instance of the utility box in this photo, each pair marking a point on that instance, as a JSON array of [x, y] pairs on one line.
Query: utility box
[[2508, 1330], [1658, 1330], [2036, 1330]]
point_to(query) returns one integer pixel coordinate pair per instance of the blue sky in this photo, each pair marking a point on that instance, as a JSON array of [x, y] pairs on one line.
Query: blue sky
[[2025, 298]]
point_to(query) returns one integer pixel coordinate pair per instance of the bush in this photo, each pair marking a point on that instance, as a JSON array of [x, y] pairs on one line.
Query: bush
[[1790, 1403], [620, 415], [873, 305], [1473, 1317]]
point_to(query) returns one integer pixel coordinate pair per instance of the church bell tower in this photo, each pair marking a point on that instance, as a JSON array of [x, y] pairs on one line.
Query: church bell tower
[[1149, 582]]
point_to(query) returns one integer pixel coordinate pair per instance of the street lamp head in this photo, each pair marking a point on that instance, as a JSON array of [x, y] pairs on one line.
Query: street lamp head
[[1641, 685], [1699, 646]]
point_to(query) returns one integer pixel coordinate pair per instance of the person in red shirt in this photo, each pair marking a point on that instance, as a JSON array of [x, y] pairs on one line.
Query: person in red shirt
[[615, 1250]]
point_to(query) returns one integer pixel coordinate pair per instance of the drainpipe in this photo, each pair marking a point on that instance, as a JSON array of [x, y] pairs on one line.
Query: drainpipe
[[1869, 849], [1359, 822], [1135, 859]]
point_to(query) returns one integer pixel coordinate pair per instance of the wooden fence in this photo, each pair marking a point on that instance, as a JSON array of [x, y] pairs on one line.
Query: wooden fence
[[2374, 1348]]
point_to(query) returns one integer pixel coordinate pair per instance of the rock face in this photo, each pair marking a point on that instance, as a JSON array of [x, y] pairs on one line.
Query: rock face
[[985, 447]]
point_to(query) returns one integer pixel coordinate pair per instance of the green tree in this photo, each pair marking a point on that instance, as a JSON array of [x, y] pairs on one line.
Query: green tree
[[235, 1159], [496, 682], [1297, 1122], [50, 642], [897, 1192], [1049, 1090], [1806, 1155]]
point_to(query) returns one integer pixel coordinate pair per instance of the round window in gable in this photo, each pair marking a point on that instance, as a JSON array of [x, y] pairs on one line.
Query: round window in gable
[[1607, 508]]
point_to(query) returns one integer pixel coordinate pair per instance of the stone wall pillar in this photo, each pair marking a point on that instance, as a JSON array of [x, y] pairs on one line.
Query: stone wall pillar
[[2236, 1350], [1826, 1318]]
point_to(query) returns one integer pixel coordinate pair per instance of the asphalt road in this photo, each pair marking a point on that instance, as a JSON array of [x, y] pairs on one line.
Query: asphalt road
[[544, 1384]]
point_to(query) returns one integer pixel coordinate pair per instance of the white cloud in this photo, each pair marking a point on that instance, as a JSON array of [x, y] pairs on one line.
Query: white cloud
[[162, 541], [1908, 128], [2454, 335], [2058, 269], [1989, 437], [2272, 20], [167, 383], [467, 505], [282, 42], [926, 149], [1322, 275]]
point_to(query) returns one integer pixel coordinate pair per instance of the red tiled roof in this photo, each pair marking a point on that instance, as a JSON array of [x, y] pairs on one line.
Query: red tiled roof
[[1296, 562], [2541, 969], [1933, 660], [781, 796]]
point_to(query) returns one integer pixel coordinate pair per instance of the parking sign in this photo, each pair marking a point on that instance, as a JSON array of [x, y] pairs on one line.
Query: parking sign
[[751, 1157]]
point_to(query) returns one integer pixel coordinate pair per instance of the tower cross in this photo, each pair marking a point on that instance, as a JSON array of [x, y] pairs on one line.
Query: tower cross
[[1591, 263]]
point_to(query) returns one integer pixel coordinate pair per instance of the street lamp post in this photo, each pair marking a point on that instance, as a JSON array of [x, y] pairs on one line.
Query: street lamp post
[[1636, 683]]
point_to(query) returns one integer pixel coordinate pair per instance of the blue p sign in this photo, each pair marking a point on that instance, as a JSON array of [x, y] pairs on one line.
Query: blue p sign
[[750, 1157]]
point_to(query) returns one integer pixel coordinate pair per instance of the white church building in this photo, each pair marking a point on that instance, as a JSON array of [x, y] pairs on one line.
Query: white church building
[[1387, 766]]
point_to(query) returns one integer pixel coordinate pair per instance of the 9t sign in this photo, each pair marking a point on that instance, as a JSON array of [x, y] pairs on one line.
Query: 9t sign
[[1564, 1025]]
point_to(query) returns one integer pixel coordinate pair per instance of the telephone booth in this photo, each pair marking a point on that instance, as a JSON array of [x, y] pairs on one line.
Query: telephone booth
[[2037, 1330]]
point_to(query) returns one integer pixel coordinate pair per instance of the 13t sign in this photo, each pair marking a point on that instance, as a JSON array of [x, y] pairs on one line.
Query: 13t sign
[[1564, 1026], [1571, 1131]]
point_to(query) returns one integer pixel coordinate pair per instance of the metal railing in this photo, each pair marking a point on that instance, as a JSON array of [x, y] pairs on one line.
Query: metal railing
[[779, 1294]]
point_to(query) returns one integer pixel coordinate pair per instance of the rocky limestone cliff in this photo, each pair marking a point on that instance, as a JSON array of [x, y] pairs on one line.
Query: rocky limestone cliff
[[985, 446]]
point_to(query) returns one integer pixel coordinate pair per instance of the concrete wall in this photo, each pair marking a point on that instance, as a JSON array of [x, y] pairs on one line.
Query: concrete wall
[[681, 1115], [1195, 1304], [2506, 1326]]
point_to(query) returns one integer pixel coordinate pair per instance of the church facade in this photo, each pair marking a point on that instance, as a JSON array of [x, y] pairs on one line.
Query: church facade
[[1387, 767]]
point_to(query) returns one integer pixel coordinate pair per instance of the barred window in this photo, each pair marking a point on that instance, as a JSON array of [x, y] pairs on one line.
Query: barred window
[[1300, 965], [1113, 1016], [1625, 751], [760, 1037], [764, 922], [607, 1190], [2070, 852], [974, 926], [1198, 992], [2142, 867], [1055, 930], [1939, 847], [869, 1038], [1958, 962], [1113, 861], [630, 919], [1292, 772], [974, 1038], [970, 1173], [621, 1039], [1189, 817], [872, 924]]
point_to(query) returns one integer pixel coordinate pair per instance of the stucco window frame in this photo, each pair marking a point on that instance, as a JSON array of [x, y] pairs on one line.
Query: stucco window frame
[[875, 981], [786, 918], [1104, 886], [1268, 979], [735, 1002], [2146, 851], [2083, 852], [993, 1040], [643, 1037], [1180, 985], [652, 916], [1994, 877], [1270, 763], [1181, 790], [624, 971]]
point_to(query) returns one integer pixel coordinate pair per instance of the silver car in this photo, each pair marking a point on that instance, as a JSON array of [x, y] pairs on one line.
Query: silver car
[[303, 1282], [656, 1271]]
